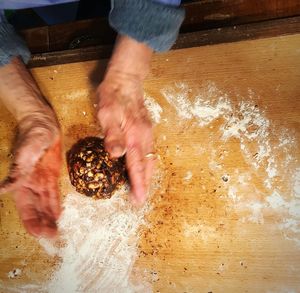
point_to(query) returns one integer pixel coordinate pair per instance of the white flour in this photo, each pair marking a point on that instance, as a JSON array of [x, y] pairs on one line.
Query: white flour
[[76, 95], [246, 122], [178, 97], [154, 109], [98, 246], [202, 109], [14, 273], [267, 149], [290, 209], [188, 176], [296, 187]]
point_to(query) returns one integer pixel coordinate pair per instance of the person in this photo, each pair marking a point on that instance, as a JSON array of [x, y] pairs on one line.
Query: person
[[143, 26]]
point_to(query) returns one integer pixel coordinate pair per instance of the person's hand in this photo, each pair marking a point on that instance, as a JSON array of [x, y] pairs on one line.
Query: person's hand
[[123, 116], [127, 129], [34, 173]]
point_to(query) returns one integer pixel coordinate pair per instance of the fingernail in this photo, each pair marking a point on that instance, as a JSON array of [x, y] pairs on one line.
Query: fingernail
[[117, 151], [35, 231]]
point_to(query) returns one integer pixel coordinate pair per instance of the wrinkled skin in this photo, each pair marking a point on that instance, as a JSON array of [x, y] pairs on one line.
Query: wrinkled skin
[[127, 129], [34, 176]]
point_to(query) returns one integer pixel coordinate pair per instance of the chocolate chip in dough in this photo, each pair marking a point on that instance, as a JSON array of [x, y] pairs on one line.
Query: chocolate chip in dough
[[92, 171]]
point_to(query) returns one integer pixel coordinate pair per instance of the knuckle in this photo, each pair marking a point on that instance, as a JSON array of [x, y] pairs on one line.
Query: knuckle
[[135, 166], [103, 114], [147, 124], [101, 91]]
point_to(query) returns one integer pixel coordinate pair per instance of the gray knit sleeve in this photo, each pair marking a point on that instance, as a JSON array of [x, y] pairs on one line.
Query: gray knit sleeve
[[11, 45], [146, 21]]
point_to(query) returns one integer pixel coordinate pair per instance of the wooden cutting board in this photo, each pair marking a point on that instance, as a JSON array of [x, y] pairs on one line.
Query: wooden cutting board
[[225, 204]]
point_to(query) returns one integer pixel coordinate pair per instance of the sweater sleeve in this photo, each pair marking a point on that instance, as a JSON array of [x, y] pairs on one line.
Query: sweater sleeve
[[11, 44], [150, 22]]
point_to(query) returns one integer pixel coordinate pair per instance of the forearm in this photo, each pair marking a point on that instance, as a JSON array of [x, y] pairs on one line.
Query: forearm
[[19, 92], [130, 58]]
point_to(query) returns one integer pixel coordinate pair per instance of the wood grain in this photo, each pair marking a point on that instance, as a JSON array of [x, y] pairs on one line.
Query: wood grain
[[252, 31], [199, 239], [213, 13]]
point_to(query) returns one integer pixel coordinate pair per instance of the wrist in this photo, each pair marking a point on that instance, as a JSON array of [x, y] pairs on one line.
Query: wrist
[[130, 58], [34, 106], [40, 118], [37, 111], [19, 92]]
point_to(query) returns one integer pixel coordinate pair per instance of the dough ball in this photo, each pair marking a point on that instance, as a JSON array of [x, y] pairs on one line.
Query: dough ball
[[92, 171]]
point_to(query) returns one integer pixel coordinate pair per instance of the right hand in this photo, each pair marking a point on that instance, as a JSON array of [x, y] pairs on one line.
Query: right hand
[[127, 129], [123, 116], [34, 173]]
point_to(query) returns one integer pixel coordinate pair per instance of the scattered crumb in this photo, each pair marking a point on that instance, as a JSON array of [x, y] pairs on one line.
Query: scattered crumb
[[14, 273], [188, 176], [225, 178]]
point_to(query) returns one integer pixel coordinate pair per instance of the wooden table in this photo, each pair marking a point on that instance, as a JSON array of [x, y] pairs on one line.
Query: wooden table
[[225, 209]]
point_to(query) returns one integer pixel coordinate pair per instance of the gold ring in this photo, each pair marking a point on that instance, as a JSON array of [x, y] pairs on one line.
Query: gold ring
[[150, 156]]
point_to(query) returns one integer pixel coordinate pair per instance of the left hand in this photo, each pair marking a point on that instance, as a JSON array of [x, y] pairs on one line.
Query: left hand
[[34, 174], [35, 169]]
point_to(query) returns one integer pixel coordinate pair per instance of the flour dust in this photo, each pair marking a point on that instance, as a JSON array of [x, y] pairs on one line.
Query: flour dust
[[98, 246], [267, 149]]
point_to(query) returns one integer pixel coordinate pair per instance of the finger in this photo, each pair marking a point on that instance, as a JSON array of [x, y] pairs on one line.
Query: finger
[[28, 211], [12, 181], [9, 184], [48, 183], [46, 215], [44, 203], [149, 156], [111, 119], [54, 201], [30, 208], [136, 170], [150, 164], [33, 226], [49, 227], [114, 142], [24, 158]]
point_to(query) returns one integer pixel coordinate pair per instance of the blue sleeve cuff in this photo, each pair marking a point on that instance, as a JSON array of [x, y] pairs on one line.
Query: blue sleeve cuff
[[11, 45], [146, 21], [169, 2]]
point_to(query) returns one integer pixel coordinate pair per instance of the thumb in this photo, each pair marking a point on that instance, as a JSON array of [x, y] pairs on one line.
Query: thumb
[[11, 182], [114, 142]]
